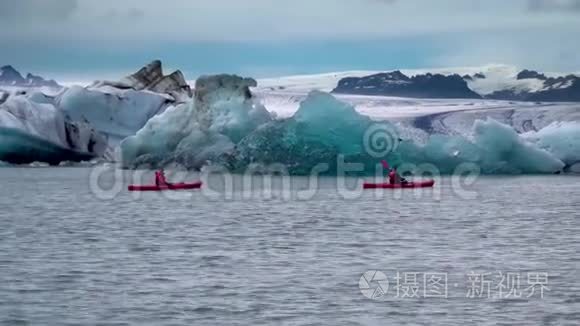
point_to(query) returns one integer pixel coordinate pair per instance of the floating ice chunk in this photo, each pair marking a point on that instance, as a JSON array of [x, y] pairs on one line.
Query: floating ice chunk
[[561, 139], [505, 151]]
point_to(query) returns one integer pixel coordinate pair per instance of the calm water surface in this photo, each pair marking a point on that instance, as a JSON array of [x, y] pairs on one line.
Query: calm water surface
[[68, 257]]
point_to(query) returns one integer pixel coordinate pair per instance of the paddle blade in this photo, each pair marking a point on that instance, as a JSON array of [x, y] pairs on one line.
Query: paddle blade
[[385, 164]]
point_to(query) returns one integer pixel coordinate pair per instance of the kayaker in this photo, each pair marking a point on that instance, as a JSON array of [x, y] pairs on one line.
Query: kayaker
[[392, 177], [160, 178], [395, 178], [157, 178]]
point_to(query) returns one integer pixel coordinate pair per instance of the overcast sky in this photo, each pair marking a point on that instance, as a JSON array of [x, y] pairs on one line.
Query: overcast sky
[[86, 39]]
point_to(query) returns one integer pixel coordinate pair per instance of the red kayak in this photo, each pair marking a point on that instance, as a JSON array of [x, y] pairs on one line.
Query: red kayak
[[419, 184], [173, 186]]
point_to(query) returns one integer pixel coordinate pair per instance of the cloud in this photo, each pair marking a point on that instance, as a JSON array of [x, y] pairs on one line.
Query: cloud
[[478, 31], [135, 21], [554, 5], [122, 14], [135, 13], [42, 10]]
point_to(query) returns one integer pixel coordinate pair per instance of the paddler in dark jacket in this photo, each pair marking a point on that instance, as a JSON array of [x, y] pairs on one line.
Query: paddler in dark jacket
[[160, 178], [395, 178]]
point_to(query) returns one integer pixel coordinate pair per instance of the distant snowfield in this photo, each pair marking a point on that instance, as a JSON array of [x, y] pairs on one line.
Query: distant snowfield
[[283, 95], [498, 76], [285, 104]]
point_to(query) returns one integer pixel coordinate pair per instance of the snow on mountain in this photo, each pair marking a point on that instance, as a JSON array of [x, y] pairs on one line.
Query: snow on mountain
[[494, 81], [500, 77], [496, 77]]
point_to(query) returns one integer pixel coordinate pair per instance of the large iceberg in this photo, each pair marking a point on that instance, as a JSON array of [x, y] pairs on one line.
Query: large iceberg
[[322, 130], [203, 130], [494, 148], [33, 129], [80, 123], [114, 112]]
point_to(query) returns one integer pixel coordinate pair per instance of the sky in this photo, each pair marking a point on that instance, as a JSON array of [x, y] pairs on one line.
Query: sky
[[105, 39]]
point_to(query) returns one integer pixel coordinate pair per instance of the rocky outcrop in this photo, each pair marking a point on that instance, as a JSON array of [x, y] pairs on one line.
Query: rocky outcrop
[[530, 74], [398, 84], [33, 80], [11, 77], [476, 76], [510, 85]]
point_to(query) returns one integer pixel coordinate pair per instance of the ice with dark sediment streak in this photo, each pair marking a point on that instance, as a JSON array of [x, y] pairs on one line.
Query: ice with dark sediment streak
[[116, 113], [82, 123], [234, 130], [33, 129]]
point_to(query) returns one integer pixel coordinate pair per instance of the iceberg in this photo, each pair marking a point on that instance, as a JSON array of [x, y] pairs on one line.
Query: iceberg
[[81, 123], [113, 112], [151, 78], [199, 131], [561, 139], [320, 131], [32, 131]]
